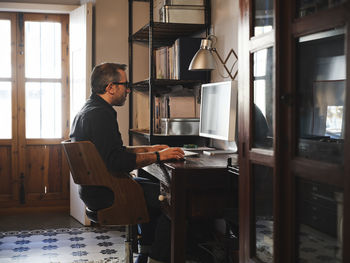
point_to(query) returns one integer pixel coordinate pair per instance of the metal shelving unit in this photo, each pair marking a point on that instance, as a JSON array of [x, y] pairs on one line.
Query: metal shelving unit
[[158, 34]]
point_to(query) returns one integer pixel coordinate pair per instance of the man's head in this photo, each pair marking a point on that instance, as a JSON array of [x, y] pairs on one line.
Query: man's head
[[108, 80]]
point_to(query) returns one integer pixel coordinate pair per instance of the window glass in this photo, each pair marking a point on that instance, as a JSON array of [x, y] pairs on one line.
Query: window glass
[[306, 7], [5, 110], [5, 49], [263, 109], [43, 110], [263, 212], [43, 50], [320, 97], [319, 222], [263, 16]]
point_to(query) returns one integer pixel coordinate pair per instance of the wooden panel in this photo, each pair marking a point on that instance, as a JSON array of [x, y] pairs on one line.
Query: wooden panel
[[36, 171], [45, 167], [55, 169], [209, 203], [5, 171]]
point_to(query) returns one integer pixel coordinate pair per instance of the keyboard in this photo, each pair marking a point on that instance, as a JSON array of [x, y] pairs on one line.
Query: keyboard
[[189, 153], [215, 152]]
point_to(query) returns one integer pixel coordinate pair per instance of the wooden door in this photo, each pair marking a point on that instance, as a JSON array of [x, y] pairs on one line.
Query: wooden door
[[294, 151], [258, 133], [40, 111], [315, 124]]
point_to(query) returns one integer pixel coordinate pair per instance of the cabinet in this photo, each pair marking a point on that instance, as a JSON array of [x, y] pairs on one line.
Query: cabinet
[[293, 64], [157, 35]]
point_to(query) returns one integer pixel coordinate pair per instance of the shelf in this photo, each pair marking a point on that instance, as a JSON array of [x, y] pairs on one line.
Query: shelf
[[156, 35], [145, 133], [165, 34], [142, 137], [160, 83]]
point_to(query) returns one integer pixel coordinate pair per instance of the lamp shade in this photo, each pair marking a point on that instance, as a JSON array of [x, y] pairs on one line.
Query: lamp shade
[[203, 59]]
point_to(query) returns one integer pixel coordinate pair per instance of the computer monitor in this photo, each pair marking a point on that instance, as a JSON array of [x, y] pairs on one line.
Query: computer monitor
[[218, 110]]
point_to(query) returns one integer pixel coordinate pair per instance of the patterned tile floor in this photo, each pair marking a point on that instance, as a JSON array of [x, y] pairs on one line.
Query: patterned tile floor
[[314, 246], [85, 244]]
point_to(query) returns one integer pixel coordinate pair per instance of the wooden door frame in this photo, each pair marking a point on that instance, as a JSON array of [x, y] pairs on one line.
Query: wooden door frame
[[34, 198]]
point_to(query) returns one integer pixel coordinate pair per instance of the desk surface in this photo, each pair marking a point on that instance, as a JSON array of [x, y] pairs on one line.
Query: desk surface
[[204, 162]]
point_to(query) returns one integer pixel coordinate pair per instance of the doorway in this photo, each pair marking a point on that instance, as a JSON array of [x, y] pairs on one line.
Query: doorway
[[34, 110]]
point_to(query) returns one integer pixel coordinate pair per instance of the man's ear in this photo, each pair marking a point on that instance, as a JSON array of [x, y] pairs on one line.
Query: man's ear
[[109, 89]]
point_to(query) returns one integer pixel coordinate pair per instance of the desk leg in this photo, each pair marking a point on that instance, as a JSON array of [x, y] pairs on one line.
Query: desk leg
[[178, 217]]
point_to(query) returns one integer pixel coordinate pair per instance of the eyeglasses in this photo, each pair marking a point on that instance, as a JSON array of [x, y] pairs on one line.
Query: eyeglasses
[[125, 84]]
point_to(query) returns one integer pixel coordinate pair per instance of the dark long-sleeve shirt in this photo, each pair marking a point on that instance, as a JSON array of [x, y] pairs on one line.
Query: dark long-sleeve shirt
[[97, 122]]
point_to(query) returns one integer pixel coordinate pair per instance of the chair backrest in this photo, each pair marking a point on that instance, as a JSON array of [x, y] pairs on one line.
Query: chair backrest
[[88, 168]]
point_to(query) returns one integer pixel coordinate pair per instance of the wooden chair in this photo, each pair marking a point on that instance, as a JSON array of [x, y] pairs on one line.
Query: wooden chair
[[129, 207]]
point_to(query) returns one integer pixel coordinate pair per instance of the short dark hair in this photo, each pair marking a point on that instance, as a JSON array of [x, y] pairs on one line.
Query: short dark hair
[[103, 74]]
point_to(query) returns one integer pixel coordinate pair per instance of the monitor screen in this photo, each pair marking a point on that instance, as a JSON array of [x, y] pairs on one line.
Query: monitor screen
[[218, 112]]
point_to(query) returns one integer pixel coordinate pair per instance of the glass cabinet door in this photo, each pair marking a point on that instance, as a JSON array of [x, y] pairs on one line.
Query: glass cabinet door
[[294, 125], [320, 96], [315, 121], [257, 132]]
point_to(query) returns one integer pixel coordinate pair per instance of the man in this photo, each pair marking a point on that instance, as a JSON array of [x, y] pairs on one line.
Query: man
[[97, 122]]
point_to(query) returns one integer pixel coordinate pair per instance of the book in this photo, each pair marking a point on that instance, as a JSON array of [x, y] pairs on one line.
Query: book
[[161, 57]]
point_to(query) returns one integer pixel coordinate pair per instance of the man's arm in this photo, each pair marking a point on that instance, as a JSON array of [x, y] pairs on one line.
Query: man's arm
[[144, 148], [147, 158]]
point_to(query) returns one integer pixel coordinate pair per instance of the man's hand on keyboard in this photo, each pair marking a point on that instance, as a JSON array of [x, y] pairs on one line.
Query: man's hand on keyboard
[[172, 153]]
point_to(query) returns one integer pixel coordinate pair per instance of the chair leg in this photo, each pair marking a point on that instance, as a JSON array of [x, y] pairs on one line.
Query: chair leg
[[128, 245]]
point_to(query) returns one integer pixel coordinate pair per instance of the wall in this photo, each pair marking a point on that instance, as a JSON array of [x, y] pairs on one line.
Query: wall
[[111, 44], [224, 19]]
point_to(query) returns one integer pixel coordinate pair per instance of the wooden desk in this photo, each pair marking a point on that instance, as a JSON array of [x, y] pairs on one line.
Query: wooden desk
[[195, 188]]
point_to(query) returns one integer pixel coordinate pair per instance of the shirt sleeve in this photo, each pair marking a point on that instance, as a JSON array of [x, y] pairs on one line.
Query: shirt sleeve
[[102, 129]]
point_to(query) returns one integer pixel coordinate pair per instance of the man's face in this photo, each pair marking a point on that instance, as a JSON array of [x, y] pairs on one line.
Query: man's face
[[121, 91]]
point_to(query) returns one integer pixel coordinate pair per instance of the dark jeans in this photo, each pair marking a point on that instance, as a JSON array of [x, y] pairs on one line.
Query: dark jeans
[[155, 233]]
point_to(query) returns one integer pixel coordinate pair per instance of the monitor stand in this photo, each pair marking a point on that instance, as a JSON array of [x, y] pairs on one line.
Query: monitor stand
[[215, 152]]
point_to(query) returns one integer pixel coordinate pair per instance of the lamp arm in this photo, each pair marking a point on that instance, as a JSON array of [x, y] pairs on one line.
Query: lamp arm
[[224, 62]]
